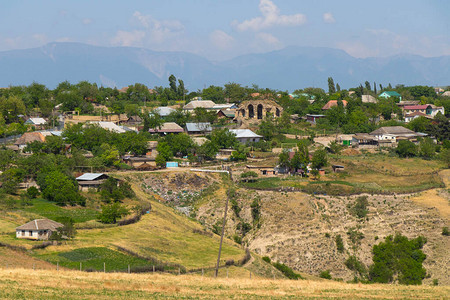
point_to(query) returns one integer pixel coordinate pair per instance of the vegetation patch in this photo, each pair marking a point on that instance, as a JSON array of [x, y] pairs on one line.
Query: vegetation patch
[[52, 211]]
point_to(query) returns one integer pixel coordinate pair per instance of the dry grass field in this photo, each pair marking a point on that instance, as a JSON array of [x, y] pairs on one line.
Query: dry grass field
[[26, 284]]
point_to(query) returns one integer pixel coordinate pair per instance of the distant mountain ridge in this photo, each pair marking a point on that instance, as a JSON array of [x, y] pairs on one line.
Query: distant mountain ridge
[[286, 69]]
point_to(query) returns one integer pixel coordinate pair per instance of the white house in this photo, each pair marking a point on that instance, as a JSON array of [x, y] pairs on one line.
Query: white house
[[39, 229], [35, 121], [246, 135]]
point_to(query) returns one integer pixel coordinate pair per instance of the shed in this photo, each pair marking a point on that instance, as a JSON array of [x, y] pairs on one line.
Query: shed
[[246, 135], [166, 128], [39, 229], [337, 168], [198, 128], [91, 180]]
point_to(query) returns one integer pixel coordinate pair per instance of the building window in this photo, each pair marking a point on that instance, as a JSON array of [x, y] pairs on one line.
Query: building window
[[23, 232], [31, 233]]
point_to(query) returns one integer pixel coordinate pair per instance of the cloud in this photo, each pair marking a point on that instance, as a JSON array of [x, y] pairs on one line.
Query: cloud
[[128, 38], [270, 17], [268, 39], [328, 18], [157, 30], [41, 38], [86, 21], [221, 39]]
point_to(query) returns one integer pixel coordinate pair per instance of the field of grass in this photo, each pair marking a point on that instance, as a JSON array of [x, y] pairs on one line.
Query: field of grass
[[52, 211], [365, 174], [93, 258], [25, 284], [163, 235]]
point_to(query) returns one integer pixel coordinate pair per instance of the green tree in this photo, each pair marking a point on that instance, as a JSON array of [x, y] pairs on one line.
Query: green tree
[[367, 84], [398, 257], [223, 138], [406, 148], [427, 148], [152, 121], [207, 151], [164, 153], [180, 144], [234, 92], [11, 108], [11, 179], [112, 212], [319, 159], [59, 188], [54, 144], [214, 93], [419, 124], [283, 159], [331, 87], [267, 128]]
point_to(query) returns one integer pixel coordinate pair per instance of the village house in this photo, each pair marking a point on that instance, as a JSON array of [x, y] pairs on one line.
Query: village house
[[245, 136], [207, 104], [368, 99], [39, 229], [137, 161], [91, 181], [313, 118], [163, 111], [364, 141], [198, 128], [389, 94], [226, 113], [389, 136], [167, 128], [38, 123], [429, 110], [415, 115], [333, 103], [29, 137], [263, 170]]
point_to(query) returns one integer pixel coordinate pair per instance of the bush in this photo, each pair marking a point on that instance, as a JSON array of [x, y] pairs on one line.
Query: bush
[[249, 174], [354, 264], [266, 259], [32, 192], [445, 231], [398, 257], [325, 274], [288, 272], [339, 243], [359, 209], [110, 213], [237, 239]]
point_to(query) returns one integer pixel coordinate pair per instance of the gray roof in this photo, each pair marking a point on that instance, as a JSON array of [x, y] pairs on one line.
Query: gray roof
[[198, 127], [199, 103], [163, 111], [244, 133], [40, 224], [90, 176], [392, 130], [168, 127]]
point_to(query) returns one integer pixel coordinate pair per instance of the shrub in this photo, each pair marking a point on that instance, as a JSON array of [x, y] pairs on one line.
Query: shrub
[[327, 235], [256, 210], [359, 209], [354, 264], [339, 243], [288, 272], [435, 282], [249, 174], [400, 257], [246, 257], [325, 274], [266, 259], [32, 192], [110, 213], [445, 231], [237, 239]]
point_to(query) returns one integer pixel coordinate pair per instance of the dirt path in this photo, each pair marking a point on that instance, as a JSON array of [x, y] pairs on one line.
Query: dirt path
[[437, 198]]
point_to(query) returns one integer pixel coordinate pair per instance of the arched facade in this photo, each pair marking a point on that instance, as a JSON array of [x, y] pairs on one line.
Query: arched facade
[[257, 110]]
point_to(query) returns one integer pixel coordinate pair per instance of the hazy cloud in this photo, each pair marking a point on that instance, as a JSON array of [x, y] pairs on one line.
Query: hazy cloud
[[328, 18], [270, 17], [221, 39], [86, 21], [157, 30], [268, 38], [128, 38]]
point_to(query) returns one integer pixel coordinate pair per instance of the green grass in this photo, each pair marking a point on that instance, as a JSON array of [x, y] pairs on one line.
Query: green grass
[[93, 258], [52, 211]]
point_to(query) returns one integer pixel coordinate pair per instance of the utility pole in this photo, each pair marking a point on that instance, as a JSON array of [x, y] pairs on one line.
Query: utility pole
[[223, 227]]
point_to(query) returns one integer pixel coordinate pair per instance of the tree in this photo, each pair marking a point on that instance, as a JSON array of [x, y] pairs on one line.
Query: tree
[[173, 84], [331, 87], [180, 144], [54, 144], [164, 154], [67, 231], [419, 124], [427, 148], [319, 159], [11, 108], [234, 92], [367, 84], [11, 179], [110, 213], [398, 256], [240, 153], [267, 128], [223, 138], [207, 151], [406, 148], [283, 159], [374, 87], [59, 188], [338, 87]]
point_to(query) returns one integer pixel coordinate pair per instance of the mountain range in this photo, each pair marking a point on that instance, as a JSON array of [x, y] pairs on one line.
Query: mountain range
[[286, 69]]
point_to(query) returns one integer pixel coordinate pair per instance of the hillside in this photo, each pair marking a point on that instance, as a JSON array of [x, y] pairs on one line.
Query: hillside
[[19, 283], [122, 66]]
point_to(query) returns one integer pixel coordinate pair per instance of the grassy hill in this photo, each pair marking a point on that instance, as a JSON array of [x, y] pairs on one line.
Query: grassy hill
[[20, 284]]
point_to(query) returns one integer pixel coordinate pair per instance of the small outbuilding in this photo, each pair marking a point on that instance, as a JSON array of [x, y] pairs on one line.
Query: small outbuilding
[[91, 180], [39, 229]]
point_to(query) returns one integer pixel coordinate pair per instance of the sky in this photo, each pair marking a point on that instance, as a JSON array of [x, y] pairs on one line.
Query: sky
[[220, 30]]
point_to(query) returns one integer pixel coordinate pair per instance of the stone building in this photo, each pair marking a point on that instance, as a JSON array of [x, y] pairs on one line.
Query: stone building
[[257, 110]]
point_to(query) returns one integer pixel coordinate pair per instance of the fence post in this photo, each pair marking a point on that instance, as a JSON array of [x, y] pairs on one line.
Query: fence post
[[34, 267], [202, 272], [179, 271], [57, 266], [80, 266], [153, 268], [104, 267], [250, 274], [128, 269]]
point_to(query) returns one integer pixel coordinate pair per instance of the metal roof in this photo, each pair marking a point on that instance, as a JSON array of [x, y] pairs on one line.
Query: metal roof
[[40, 224], [244, 133], [198, 127], [90, 176], [163, 111]]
